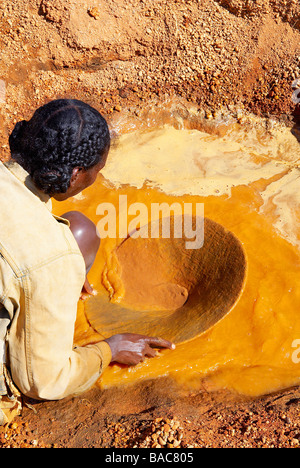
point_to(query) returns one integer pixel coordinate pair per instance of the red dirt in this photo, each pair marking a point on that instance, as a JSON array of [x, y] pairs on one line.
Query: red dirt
[[142, 415]]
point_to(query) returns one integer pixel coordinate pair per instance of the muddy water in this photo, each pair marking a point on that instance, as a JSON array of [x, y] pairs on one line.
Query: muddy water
[[246, 176]]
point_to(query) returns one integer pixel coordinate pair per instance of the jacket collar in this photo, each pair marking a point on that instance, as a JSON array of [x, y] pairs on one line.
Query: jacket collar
[[25, 178]]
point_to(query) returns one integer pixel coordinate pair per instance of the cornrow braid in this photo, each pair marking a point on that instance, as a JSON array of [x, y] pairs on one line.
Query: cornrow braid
[[60, 136]]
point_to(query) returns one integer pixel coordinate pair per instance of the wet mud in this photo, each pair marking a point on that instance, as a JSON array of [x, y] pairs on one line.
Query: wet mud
[[245, 176]]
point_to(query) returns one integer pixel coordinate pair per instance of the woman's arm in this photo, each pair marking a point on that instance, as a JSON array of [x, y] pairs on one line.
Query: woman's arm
[[43, 362]]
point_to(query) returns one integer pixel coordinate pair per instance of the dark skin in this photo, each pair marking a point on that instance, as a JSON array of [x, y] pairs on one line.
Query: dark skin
[[81, 179], [126, 348], [85, 233]]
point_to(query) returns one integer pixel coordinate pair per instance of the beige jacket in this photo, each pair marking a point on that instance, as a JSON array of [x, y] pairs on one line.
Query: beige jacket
[[41, 276]]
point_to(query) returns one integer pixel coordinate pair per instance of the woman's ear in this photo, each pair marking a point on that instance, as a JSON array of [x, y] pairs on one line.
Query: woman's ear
[[76, 176]]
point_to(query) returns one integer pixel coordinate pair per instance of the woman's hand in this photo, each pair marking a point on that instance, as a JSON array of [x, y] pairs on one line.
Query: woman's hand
[[130, 348], [87, 290]]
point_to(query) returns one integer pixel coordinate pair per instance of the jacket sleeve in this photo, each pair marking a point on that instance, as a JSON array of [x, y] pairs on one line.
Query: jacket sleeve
[[43, 362]]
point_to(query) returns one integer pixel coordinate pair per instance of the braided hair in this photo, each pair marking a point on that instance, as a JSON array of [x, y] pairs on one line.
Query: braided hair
[[61, 135]]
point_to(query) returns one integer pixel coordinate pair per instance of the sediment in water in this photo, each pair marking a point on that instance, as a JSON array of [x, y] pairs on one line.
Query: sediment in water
[[246, 175]]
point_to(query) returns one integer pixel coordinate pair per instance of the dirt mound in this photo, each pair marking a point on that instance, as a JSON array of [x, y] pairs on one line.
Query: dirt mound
[[117, 54], [287, 10]]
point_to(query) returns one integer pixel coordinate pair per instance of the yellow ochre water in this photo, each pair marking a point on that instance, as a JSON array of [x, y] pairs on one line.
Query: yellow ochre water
[[247, 176]]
